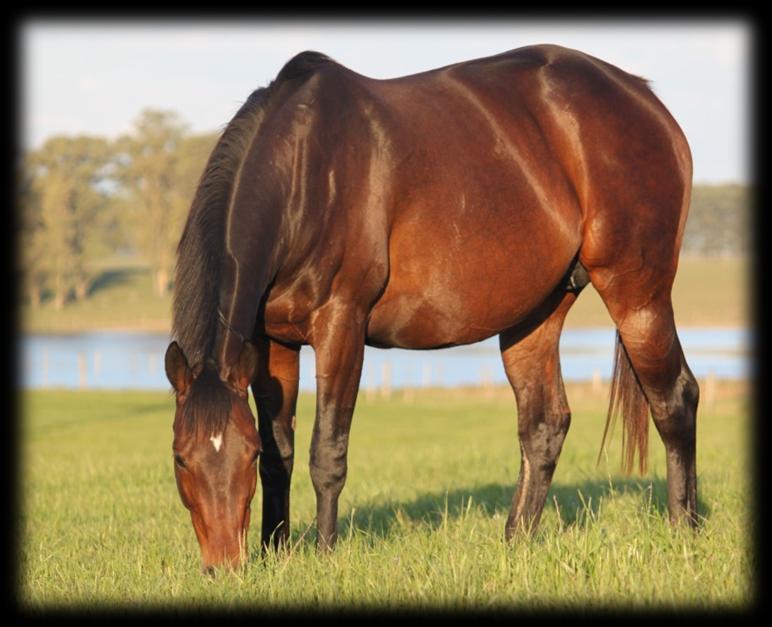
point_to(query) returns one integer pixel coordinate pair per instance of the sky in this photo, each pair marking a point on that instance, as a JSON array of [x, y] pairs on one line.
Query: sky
[[95, 77]]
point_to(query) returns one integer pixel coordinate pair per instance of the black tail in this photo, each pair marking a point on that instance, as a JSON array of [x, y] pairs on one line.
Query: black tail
[[627, 398]]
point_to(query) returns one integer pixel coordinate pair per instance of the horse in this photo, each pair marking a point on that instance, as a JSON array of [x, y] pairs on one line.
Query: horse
[[421, 212]]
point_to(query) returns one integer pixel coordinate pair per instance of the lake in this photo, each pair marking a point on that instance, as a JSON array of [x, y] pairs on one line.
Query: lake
[[126, 360]]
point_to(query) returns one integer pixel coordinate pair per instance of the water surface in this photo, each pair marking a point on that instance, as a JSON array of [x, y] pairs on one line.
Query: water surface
[[127, 360]]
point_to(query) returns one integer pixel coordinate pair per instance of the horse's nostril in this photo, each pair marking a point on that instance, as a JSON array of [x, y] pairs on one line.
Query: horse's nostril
[[209, 571]]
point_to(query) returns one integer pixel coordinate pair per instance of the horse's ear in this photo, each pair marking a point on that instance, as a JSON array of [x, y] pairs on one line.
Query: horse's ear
[[177, 370], [243, 372]]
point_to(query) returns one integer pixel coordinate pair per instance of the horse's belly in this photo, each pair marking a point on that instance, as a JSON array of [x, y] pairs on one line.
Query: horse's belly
[[454, 283]]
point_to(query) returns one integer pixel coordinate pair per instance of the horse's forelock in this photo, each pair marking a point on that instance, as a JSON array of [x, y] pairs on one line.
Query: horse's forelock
[[208, 405]]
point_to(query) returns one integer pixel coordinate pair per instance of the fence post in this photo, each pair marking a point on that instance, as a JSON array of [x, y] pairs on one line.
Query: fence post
[[82, 370], [486, 381], [45, 367], [426, 375], [370, 389], [596, 384], [710, 390], [386, 380]]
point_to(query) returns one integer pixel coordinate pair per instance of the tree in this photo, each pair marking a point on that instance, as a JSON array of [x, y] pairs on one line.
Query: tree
[[154, 197], [69, 213], [32, 245]]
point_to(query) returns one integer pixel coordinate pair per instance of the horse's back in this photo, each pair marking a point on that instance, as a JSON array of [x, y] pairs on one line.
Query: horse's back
[[471, 188]]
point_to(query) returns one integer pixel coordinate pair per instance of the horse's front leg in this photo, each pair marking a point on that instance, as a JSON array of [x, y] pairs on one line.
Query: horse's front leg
[[338, 340], [275, 388]]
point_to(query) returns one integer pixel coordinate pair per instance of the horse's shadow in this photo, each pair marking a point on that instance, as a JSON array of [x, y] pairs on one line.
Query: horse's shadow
[[578, 504]]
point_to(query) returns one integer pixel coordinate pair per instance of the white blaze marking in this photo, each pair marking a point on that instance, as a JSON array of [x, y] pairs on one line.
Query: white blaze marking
[[216, 442]]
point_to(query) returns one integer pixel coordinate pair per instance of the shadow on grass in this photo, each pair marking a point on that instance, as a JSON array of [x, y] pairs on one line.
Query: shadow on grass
[[578, 504], [110, 279]]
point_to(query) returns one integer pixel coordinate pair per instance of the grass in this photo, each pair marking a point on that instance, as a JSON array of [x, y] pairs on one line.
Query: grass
[[707, 292], [421, 519]]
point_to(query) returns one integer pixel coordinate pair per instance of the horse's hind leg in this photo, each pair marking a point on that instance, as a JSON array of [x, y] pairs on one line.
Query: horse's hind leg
[[648, 333], [532, 364], [634, 211], [276, 389], [631, 258]]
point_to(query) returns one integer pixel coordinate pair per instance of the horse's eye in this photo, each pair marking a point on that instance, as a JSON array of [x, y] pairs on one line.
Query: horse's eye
[[255, 455], [179, 461]]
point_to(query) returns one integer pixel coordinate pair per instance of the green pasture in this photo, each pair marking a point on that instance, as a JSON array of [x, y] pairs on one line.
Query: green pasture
[[431, 476], [707, 292]]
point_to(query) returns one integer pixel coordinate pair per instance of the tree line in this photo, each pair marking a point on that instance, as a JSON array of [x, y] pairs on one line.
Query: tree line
[[82, 198]]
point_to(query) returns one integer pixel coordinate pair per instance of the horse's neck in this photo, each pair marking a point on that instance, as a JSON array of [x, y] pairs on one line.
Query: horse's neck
[[255, 242], [247, 271]]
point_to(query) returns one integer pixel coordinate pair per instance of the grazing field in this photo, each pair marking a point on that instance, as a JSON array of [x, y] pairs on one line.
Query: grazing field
[[707, 292], [431, 476]]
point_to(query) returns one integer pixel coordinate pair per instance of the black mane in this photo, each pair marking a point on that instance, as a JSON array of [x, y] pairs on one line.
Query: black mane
[[201, 247], [199, 254], [200, 251]]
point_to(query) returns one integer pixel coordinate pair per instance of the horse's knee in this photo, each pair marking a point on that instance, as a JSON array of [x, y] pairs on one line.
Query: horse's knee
[[328, 479], [275, 472], [543, 440], [277, 458], [562, 421]]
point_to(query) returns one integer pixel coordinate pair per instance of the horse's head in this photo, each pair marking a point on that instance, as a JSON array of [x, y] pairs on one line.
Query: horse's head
[[215, 447]]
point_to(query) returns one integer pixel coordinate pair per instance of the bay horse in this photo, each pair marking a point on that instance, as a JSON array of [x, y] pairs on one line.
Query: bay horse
[[421, 212]]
